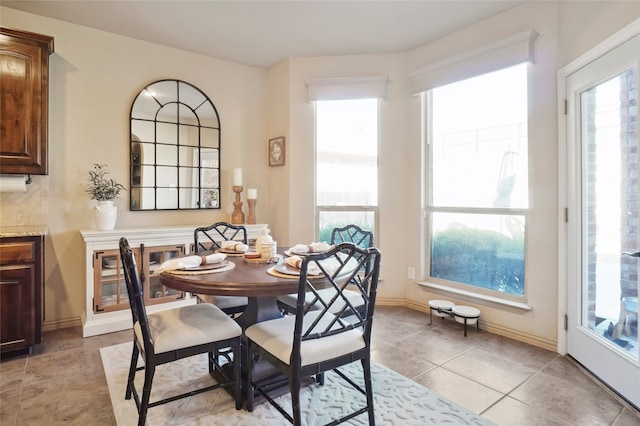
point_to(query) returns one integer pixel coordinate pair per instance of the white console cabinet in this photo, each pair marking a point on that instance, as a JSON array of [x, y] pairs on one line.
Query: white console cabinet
[[107, 305]]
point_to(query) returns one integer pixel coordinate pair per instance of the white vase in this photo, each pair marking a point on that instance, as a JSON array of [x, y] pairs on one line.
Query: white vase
[[106, 214]]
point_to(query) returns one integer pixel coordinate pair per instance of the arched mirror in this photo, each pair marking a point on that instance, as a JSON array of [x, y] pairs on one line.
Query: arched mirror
[[175, 148]]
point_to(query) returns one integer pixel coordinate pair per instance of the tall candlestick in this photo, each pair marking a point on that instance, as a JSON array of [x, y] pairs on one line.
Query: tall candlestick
[[237, 216], [237, 177], [252, 194]]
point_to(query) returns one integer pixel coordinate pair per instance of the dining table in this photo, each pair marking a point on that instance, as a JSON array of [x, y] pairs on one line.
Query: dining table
[[250, 278]]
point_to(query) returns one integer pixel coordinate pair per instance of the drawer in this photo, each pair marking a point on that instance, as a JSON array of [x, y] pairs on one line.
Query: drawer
[[17, 252]]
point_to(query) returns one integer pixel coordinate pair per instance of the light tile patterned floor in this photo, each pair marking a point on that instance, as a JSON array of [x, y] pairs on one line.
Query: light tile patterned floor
[[508, 382]]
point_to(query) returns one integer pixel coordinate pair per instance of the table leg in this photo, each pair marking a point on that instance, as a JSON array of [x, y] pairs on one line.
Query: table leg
[[259, 309]]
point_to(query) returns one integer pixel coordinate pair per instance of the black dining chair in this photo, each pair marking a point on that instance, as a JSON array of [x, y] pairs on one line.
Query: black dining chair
[[174, 334], [209, 238], [350, 233], [314, 341], [354, 234]]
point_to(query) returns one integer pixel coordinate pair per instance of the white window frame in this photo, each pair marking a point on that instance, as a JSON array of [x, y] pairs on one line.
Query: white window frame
[[501, 54], [358, 88]]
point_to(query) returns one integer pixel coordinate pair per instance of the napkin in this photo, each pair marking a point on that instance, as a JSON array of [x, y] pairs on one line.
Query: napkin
[[190, 262], [312, 268], [310, 248], [234, 246]]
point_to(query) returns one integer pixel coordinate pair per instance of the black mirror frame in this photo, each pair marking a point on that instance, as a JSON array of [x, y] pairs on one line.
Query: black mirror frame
[[193, 132]]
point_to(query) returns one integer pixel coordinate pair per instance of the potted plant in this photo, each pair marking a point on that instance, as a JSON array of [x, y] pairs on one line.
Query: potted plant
[[104, 190], [100, 187]]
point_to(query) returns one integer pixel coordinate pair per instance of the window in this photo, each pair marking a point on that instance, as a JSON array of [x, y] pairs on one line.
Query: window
[[346, 164], [478, 188]]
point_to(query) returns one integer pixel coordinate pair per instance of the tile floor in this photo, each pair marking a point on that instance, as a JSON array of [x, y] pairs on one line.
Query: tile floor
[[508, 382]]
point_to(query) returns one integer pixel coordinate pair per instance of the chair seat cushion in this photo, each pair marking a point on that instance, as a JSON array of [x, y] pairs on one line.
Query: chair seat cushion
[[326, 294], [189, 326], [276, 336], [224, 302]]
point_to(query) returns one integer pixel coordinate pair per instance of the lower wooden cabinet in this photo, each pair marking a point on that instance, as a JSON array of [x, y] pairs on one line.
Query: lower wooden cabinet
[[21, 294]]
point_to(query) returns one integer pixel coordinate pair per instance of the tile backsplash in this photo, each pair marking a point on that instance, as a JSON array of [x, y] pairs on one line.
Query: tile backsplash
[[26, 208]]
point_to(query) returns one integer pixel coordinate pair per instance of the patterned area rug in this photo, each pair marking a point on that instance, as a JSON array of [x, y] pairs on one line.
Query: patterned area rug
[[398, 400]]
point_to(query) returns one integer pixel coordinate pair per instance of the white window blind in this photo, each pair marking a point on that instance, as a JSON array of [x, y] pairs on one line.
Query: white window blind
[[333, 89], [500, 54]]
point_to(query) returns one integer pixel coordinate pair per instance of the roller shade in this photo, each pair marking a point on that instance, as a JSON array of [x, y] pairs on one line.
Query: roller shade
[[331, 89], [500, 54]]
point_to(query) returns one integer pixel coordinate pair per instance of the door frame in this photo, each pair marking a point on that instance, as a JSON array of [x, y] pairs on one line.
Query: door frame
[[564, 213]]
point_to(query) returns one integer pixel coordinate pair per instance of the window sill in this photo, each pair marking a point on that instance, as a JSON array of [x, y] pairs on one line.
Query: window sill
[[473, 295]]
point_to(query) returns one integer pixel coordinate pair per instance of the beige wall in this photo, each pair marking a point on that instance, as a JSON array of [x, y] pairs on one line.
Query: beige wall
[[96, 75], [94, 78]]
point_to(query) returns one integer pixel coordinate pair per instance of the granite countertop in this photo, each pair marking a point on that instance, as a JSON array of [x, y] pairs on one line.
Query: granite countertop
[[23, 231]]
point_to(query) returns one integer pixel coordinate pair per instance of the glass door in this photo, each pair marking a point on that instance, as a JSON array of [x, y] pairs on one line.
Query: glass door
[[603, 239], [153, 257]]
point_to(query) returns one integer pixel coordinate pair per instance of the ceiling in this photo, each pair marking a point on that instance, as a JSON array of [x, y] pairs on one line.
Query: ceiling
[[263, 33]]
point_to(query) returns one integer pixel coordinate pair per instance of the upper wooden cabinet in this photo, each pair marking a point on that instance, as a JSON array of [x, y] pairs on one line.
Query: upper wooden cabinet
[[24, 90]]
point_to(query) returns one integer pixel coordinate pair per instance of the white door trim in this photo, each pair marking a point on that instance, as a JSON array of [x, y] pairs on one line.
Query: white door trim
[[607, 45]]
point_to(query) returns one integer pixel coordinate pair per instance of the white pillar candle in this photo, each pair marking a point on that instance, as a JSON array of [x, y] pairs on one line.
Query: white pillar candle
[[252, 193], [237, 177]]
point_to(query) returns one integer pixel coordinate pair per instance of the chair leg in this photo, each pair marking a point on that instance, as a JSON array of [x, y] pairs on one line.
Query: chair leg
[[237, 374], [249, 376], [149, 372], [132, 371], [294, 386], [213, 359], [366, 367]]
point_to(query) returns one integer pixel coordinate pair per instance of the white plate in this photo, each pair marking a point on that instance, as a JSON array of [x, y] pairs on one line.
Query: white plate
[[231, 252], [109, 263], [283, 268], [208, 266], [293, 253]]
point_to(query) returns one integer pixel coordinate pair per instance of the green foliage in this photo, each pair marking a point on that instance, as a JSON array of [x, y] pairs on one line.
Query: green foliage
[[100, 187], [325, 232], [479, 257]]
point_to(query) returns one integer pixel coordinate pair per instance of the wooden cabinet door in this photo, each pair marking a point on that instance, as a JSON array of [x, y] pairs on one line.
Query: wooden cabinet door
[[153, 257], [24, 74], [21, 293], [17, 315], [109, 285]]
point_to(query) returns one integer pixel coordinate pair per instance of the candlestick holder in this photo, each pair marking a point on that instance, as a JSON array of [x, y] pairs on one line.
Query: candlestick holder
[[251, 218], [237, 217]]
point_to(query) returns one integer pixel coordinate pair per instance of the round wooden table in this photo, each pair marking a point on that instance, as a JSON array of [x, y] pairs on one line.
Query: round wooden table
[[246, 279]]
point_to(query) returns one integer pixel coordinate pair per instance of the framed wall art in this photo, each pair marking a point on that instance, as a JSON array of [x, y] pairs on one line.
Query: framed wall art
[[276, 151]]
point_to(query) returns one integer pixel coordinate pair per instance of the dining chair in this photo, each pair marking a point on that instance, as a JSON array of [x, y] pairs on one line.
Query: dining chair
[[314, 341], [174, 334], [208, 238], [350, 233]]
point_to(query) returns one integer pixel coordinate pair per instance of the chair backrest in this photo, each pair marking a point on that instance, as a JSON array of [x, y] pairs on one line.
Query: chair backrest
[[136, 298], [352, 234], [209, 237], [336, 268]]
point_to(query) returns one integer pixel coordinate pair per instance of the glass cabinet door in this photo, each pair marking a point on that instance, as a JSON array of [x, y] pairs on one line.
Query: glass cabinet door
[[152, 259], [110, 287]]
